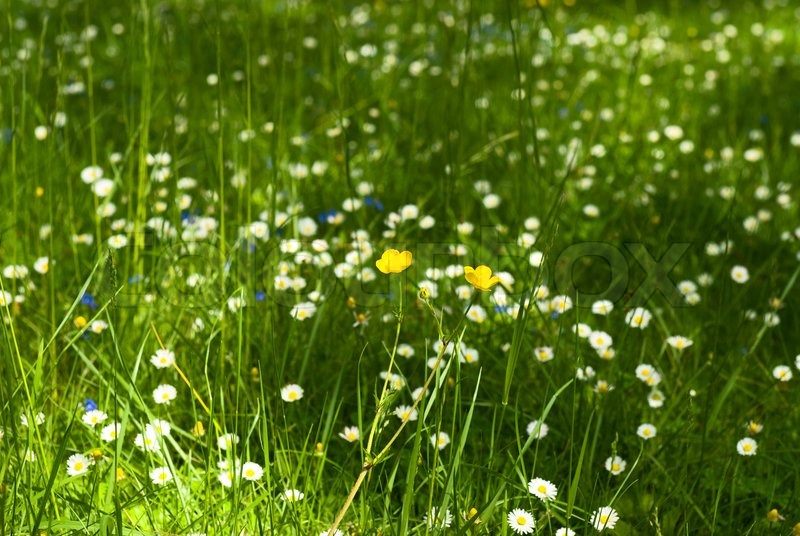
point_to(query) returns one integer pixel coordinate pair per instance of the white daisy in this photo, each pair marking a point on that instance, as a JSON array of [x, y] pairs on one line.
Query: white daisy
[[437, 518], [291, 392], [604, 518], [521, 521], [110, 432], [679, 342], [537, 429], [747, 446], [440, 440], [782, 373], [164, 394], [163, 358], [739, 274], [615, 465], [292, 495], [350, 434], [252, 471], [94, 417], [160, 475], [78, 464], [646, 431], [543, 489]]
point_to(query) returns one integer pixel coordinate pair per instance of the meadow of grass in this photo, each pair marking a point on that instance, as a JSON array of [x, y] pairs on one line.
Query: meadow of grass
[[198, 333]]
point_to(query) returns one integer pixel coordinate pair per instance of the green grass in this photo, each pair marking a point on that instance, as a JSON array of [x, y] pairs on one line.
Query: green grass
[[285, 114]]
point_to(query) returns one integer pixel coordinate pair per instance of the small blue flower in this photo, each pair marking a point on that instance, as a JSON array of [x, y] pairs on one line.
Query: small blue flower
[[554, 315], [89, 405], [189, 215], [372, 202], [260, 295], [88, 299], [326, 216]]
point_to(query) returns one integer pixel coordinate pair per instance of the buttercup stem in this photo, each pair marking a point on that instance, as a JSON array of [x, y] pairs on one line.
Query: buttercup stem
[[373, 461], [369, 462]]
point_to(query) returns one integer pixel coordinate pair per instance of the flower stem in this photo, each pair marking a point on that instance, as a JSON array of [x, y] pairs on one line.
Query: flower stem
[[372, 461]]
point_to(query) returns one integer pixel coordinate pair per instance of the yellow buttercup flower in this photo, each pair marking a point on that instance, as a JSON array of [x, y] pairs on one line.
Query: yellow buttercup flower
[[481, 277], [198, 430], [773, 516], [393, 261]]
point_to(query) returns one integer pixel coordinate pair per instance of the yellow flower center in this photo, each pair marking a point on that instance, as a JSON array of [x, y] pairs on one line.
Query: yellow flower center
[[542, 489]]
